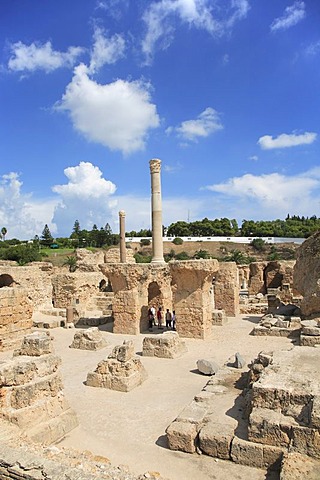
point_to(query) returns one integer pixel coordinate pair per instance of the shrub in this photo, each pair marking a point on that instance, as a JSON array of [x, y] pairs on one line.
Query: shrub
[[142, 258], [145, 242], [201, 254], [177, 241], [22, 254], [182, 256], [258, 244]]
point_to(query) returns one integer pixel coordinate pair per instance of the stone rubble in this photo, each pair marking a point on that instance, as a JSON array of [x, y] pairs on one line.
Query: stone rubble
[[166, 345], [90, 339], [122, 370]]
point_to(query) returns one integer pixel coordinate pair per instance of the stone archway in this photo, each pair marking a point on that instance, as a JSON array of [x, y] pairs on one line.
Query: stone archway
[[155, 296]]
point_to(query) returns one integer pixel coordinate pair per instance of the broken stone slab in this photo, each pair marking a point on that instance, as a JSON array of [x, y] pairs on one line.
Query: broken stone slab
[[35, 344], [90, 339], [207, 367], [193, 413], [167, 345], [239, 361], [215, 440], [309, 330], [182, 436], [124, 352], [315, 412], [276, 331]]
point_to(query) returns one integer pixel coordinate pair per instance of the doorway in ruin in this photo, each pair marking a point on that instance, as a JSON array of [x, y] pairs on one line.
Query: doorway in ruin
[[105, 285], [155, 296], [271, 276]]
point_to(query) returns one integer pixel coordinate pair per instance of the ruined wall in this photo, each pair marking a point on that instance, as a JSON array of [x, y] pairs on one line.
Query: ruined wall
[[35, 278], [112, 255], [15, 316], [226, 288], [180, 286], [307, 275], [75, 288], [256, 278], [192, 282]]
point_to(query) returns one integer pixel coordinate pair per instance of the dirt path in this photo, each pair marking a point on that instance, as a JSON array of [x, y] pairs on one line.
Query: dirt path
[[129, 428]]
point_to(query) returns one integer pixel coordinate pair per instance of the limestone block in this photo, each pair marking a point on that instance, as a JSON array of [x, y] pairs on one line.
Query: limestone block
[[315, 412], [90, 339], [295, 466], [24, 395], [35, 344], [182, 436], [193, 413], [123, 352], [215, 440], [247, 453], [255, 454], [118, 374], [265, 358], [167, 345], [308, 330], [219, 317], [270, 427], [309, 341], [207, 367], [54, 429], [306, 441], [23, 370]]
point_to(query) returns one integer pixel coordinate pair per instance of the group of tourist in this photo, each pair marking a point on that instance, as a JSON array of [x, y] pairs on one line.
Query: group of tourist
[[156, 317]]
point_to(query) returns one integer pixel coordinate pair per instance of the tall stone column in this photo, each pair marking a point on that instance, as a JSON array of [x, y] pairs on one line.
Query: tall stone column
[[123, 257], [156, 206]]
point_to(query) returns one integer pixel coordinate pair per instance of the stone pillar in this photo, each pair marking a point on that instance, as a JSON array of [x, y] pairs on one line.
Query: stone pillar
[[156, 206], [123, 258]]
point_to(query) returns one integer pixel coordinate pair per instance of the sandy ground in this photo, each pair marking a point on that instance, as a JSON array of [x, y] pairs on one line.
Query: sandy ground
[[129, 428]]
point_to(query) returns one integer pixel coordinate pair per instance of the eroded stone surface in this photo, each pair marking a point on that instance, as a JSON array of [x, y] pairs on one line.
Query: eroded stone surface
[[122, 370], [90, 339], [167, 345]]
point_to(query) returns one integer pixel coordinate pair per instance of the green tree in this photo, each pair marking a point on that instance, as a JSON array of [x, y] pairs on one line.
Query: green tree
[[70, 262], [46, 237], [22, 254], [258, 244], [4, 233]]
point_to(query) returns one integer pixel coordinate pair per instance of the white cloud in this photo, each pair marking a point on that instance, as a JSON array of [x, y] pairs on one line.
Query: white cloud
[[87, 197], [204, 125], [292, 15], [267, 142], [39, 56], [270, 195], [117, 115], [254, 158], [313, 49], [22, 216], [160, 20], [105, 50]]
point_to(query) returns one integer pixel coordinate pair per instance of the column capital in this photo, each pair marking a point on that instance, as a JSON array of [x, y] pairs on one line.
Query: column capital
[[155, 165], [122, 213]]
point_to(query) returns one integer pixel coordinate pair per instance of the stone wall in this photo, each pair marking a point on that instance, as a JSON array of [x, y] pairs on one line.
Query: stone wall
[[35, 278], [15, 316], [307, 275], [226, 288], [76, 288]]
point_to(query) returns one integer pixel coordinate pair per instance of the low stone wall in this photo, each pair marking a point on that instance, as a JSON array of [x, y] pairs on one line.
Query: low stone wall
[[15, 316]]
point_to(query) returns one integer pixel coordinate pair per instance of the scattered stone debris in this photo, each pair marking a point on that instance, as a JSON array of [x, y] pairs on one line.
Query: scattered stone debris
[[280, 324], [207, 367], [166, 345], [310, 333], [121, 371], [90, 339], [239, 361]]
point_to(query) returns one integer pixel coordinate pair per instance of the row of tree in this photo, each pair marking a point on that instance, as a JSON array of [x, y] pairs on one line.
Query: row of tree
[[295, 226]]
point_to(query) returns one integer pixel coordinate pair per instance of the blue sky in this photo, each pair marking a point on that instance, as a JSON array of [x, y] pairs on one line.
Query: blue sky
[[224, 92]]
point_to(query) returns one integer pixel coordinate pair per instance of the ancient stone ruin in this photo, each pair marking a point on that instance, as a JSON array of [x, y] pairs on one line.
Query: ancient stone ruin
[[90, 339], [121, 371], [31, 392], [166, 345]]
